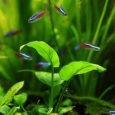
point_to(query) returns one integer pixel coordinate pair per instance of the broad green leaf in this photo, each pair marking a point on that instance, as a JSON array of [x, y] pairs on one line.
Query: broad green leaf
[[47, 52], [80, 67], [65, 109], [11, 93], [4, 109], [21, 98], [45, 77], [21, 113], [42, 110], [67, 102]]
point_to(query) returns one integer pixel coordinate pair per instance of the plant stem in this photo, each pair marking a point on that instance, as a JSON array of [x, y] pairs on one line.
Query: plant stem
[[95, 40], [61, 96], [23, 108], [52, 23], [52, 96]]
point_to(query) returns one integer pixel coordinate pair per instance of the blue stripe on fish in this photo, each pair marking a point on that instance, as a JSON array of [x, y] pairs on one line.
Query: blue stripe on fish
[[10, 33], [89, 46], [93, 47], [36, 17], [112, 112], [26, 56], [44, 63], [61, 10]]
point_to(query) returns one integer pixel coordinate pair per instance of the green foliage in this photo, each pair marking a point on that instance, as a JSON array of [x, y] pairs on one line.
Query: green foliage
[[106, 91], [92, 109], [11, 93], [86, 21], [65, 110], [4, 109], [67, 102], [1, 91], [94, 100], [12, 111], [45, 77], [4, 73], [45, 51], [44, 110], [20, 99], [75, 68]]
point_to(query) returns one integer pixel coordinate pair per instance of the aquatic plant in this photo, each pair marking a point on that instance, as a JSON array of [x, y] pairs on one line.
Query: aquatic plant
[[86, 21]]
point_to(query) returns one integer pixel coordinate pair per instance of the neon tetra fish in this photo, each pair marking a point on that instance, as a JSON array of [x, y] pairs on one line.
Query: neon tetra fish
[[112, 112], [12, 33], [63, 51], [24, 55], [60, 10], [89, 46], [43, 64], [77, 47], [37, 16]]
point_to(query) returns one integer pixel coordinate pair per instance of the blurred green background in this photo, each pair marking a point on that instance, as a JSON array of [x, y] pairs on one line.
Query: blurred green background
[[87, 21]]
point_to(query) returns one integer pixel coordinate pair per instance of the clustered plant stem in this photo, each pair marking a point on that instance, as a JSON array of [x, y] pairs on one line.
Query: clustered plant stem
[[52, 87], [95, 41], [98, 28], [61, 96]]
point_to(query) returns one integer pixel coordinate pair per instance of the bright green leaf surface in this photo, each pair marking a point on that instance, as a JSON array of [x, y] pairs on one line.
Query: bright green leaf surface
[[47, 52], [11, 93], [42, 110], [4, 109], [65, 109], [21, 98], [80, 67], [45, 77], [67, 102]]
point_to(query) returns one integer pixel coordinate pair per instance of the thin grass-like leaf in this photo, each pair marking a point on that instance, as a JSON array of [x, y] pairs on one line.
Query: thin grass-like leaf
[[93, 99], [95, 39], [106, 91], [109, 22], [4, 73], [11, 93]]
